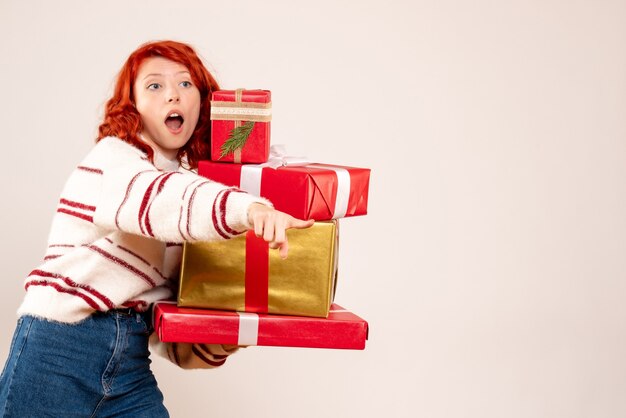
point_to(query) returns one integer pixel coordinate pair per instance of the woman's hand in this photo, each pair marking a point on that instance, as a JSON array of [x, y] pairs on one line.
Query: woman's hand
[[271, 224]]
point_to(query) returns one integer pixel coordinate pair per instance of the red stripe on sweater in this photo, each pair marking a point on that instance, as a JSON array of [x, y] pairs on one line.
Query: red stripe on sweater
[[51, 257], [161, 184], [135, 304], [216, 225], [180, 212], [140, 258], [167, 177], [133, 254], [77, 204], [145, 201], [180, 218], [190, 206], [61, 289], [72, 283], [215, 356], [61, 245], [202, 357], [76, 214], [130, 186], [175, 352], [223, 214], [159, 273], [90, 169], [122, 263]]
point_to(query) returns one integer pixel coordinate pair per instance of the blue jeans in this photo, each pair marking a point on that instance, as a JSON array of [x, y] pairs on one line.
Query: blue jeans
[[99, 367]]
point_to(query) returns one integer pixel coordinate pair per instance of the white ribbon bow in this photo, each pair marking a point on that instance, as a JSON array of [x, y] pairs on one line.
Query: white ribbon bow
[[279, 158], [250, 177]]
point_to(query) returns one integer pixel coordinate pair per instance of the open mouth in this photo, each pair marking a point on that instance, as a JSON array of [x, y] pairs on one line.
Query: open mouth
[[174, 122]]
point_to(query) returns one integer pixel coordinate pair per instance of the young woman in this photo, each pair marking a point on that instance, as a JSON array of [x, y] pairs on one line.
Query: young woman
[[80, 348]]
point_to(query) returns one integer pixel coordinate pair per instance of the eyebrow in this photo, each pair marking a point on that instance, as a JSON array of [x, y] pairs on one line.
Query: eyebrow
[[159, 74]]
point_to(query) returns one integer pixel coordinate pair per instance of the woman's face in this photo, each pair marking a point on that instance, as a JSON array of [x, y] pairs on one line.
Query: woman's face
[[168, 102]]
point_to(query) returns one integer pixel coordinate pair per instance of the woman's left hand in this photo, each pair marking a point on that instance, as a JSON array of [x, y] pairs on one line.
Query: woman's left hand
[[271, 224]]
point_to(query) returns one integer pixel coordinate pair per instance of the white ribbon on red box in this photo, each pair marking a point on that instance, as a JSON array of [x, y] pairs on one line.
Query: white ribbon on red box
[[248, 328], [250, 176], [343, 189]]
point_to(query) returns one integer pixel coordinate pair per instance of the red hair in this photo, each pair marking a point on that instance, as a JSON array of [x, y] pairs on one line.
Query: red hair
[[122, 120]]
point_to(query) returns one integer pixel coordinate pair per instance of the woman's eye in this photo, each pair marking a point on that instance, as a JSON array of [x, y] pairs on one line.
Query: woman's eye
[[186, 84], [153, 86]]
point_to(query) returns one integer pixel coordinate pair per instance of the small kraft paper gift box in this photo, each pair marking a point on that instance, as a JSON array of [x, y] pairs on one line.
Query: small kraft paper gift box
[[312, 191], [243, 274], [240, 125], [342, 329]]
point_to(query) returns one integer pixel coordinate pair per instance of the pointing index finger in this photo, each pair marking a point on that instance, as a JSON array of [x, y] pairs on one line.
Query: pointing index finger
[[300, 224]]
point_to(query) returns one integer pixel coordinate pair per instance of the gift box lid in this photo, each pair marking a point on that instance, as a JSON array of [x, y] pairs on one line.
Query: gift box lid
[[342, 329]]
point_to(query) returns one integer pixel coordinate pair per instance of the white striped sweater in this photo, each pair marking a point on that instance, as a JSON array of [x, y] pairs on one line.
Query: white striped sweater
[[116, 239]]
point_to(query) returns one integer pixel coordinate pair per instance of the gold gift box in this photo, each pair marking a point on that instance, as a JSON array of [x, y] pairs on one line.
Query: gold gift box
[[213, 274]]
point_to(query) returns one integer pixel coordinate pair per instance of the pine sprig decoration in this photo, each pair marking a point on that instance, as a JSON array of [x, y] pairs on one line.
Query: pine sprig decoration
[[237, 138]]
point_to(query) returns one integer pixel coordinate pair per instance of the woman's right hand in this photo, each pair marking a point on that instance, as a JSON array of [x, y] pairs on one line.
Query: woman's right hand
[[271, 224]]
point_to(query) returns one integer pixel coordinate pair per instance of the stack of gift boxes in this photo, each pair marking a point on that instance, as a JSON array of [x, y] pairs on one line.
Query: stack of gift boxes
[[237, 291]]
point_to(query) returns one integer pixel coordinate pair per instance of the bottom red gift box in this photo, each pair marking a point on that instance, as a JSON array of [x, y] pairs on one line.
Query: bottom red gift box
[[342, 329]]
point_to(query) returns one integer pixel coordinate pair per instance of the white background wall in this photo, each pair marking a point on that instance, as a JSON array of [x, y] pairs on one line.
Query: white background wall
[[491, 265]]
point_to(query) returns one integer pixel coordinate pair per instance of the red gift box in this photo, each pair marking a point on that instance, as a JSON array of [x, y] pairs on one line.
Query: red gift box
[[342, 329], [232, 109], [314, 191]]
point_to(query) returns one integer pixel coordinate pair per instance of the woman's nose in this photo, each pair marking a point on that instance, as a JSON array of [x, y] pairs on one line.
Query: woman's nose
[[173, 96]]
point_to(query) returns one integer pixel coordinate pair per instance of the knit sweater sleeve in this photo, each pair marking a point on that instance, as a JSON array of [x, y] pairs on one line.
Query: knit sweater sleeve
[[170, 206], [192, 356]]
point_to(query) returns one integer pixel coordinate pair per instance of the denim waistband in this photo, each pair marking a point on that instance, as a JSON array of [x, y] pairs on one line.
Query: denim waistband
[[132, 313], [125, 311]]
